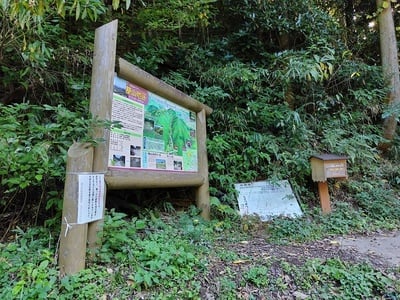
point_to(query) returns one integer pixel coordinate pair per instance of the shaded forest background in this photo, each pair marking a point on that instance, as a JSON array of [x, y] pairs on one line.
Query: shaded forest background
[[286, 80]]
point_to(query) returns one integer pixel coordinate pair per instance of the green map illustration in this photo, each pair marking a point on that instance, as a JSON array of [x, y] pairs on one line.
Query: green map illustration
[[173, 125]]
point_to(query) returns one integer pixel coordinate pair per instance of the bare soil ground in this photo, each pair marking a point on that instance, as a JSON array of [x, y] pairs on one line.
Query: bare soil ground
[[383, 246], [380, 250]]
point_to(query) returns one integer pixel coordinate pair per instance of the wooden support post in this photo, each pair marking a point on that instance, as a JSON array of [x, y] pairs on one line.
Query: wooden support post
[[73, 237], [324, 197], [101, 93], [202, 192]]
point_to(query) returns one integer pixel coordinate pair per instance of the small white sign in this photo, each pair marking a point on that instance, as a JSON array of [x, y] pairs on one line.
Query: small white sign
[[266, 199], [90, 200]]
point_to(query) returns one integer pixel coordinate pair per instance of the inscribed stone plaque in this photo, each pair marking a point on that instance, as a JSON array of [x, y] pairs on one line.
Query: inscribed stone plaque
[[267, 200]]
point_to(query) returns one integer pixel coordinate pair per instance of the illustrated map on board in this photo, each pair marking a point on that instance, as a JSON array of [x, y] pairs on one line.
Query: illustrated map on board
[[154, 133]]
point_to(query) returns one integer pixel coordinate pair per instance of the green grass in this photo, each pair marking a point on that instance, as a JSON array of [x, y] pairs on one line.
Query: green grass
[[179, 256]]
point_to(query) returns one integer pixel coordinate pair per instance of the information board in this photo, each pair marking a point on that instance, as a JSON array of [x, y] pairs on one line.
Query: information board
[[267, 200], [154, 133], [90, 199]]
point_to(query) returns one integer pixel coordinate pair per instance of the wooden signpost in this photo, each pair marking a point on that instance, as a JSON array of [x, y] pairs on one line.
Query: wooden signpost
[[71, 257], [323, 167], [160, 143]]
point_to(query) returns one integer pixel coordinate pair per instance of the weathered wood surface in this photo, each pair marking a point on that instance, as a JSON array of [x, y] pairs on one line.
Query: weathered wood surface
[[72, 251], [202, 192], [131, 179], [324, 197], [101, 92]]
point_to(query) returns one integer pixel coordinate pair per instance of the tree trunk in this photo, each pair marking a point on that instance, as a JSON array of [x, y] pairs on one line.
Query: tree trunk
[[390, 67], [349, 21]]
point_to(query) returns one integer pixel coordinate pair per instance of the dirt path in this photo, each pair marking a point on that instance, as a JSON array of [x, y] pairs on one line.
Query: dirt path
[[384, 246], [380, 250]]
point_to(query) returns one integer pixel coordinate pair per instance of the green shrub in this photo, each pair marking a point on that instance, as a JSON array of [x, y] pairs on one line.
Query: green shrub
[[346, 281], [152, 254], [34, 141], [258, 276], [27, 266], [377, 200]]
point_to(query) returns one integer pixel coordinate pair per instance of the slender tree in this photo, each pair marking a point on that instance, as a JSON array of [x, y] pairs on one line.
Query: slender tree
[[390, 66]]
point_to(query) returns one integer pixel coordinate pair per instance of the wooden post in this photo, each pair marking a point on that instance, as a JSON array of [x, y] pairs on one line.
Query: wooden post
[[101, 92], [101, 97], [326, 166], [324, 197], [73, 237], [202, 192]]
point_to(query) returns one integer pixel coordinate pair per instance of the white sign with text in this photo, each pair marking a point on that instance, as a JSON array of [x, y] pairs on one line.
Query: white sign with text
[[90, 200], [267, 200]]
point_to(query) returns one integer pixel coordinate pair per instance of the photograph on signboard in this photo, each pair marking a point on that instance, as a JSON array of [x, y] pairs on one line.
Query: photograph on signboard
[[154, 133]]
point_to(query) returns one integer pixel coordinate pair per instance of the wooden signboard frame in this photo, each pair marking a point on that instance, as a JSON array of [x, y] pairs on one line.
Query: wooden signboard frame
[[83, 158], [122, 179], [105, 64]]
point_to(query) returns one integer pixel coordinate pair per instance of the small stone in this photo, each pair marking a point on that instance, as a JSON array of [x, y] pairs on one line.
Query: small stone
[[299, 295]]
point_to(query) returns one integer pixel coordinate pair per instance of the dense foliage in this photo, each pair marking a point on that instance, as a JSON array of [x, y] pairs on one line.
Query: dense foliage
[[285, 79], [280, 89]]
